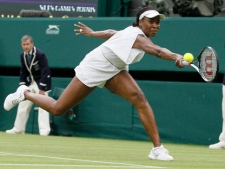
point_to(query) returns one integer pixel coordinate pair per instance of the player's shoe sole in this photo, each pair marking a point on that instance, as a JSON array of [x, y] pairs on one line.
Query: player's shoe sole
[[15, 98]]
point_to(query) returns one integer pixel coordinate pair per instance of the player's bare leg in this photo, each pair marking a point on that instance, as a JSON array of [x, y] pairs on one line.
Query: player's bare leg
[[74, 93], [125, 86]]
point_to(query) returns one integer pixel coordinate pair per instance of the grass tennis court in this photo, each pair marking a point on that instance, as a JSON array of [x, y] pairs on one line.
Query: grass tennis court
[[34, 151]]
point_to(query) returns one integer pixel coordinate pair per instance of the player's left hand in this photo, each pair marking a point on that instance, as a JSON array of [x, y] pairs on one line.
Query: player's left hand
[[83, 29]]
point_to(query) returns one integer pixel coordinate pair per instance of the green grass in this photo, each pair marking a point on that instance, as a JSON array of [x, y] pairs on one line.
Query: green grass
[[34, 151]]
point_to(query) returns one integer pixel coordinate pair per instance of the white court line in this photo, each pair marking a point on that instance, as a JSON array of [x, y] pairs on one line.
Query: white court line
[[81, 160], [80, 166]]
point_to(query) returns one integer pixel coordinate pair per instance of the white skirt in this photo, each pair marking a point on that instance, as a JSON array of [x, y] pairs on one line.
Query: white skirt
[[95, 70]]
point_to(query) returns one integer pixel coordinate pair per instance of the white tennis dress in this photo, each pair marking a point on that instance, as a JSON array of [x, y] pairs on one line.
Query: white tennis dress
[[107, 60]]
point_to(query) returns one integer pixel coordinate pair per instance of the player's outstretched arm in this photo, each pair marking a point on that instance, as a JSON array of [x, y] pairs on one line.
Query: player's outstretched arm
[[149, 47], [82, 29]]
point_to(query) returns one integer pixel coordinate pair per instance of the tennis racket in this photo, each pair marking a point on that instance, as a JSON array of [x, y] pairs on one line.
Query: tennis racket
[[207, 64]]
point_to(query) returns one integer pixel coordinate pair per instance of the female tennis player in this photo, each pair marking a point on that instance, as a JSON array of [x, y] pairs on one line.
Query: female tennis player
[[107, 66]]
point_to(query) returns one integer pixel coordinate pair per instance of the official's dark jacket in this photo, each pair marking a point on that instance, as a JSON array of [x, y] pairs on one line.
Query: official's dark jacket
[[38, 70]]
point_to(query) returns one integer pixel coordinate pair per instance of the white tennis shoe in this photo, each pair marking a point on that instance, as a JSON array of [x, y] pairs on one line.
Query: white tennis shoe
[[219, 145], [15, 98], [160, 153]]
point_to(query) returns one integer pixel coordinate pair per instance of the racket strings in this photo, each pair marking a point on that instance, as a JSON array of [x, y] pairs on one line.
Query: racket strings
[[208, 65]]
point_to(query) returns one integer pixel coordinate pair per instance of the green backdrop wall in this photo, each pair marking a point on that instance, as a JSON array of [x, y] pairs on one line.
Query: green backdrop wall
[[66, 50]]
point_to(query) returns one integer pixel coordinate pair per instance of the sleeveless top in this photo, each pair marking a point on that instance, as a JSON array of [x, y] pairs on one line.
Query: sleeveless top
[[118, 49]]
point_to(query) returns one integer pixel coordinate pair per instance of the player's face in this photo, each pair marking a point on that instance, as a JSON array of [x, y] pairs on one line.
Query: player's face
[[150, 26], [27, 45]]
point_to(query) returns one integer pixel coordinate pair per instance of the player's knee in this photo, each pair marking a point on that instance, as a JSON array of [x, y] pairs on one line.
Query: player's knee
[[57, 110], [138, 98]]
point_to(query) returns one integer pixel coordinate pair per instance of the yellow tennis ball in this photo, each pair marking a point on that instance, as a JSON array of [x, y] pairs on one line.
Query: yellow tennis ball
[[188, 57]]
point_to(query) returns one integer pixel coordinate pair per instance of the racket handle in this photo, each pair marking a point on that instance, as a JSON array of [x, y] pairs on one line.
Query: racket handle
[[186, 63]]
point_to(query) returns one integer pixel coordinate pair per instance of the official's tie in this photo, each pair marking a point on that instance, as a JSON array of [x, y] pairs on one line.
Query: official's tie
[[28, 58]]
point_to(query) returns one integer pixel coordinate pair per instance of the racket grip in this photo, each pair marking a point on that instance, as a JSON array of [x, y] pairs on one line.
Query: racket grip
[[184, 63]]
